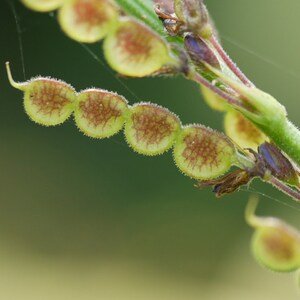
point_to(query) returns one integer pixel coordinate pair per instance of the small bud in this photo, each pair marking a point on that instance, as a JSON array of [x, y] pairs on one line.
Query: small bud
[[275, 244], [203, 153], [199, 52], [242, 131], [213, 100], [166, 5], [195, 15], [99, 113], [151, 129], [133, 49], [47, 101], [279, 165], [87, 21], [43, 5]]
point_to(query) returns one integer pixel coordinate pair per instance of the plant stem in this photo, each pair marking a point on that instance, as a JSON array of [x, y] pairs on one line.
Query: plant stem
[[284, 188], [250, 216], [287, 137], [227, 97], [228, 61], [143, 10]]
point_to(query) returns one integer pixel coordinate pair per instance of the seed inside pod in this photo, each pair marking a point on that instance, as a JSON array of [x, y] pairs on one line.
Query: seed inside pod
[[277, 246], [47, 101], [87, 21], [242, 131], [133, 49], [203, 153], [151, 129], [100, 113]]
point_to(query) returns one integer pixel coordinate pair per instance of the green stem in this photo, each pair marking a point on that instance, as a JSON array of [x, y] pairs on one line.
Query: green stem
[[229, 62], [143, 11], [250, 216], [287, 137]]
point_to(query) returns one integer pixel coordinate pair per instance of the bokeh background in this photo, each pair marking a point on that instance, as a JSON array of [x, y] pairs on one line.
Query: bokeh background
[[89, 219]]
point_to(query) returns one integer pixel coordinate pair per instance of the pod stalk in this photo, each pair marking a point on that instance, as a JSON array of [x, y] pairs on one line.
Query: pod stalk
[[285, 188], [13, 83], [229, 62], [228, 98], [250, 216]]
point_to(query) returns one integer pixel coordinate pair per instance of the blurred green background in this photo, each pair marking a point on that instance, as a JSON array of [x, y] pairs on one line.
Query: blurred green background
[[89, 219]]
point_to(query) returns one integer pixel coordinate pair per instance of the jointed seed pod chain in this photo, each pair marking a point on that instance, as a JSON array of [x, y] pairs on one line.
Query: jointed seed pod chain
[[199, 152]]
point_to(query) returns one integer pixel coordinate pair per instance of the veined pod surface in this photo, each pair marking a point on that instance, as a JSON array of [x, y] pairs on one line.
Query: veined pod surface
[[99, 113], [43, 5], [87, 21], [242, 131], [132, 49], [203, 153], [151, 129], [276, 245], [47, 101]]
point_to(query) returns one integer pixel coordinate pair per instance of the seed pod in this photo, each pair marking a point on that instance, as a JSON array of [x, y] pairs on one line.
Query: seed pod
[[195, 15], [100, 113], [276, 245], [43, 5], [213, 100], [87, 21], [242, 131], [47, 101], [203, 153], [151, 129], [200, 52], [133, 49]]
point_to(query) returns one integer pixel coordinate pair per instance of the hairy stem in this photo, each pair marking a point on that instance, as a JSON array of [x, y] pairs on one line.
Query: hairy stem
[[228, 98], [285, 189], [228, 61], [287, 137]]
